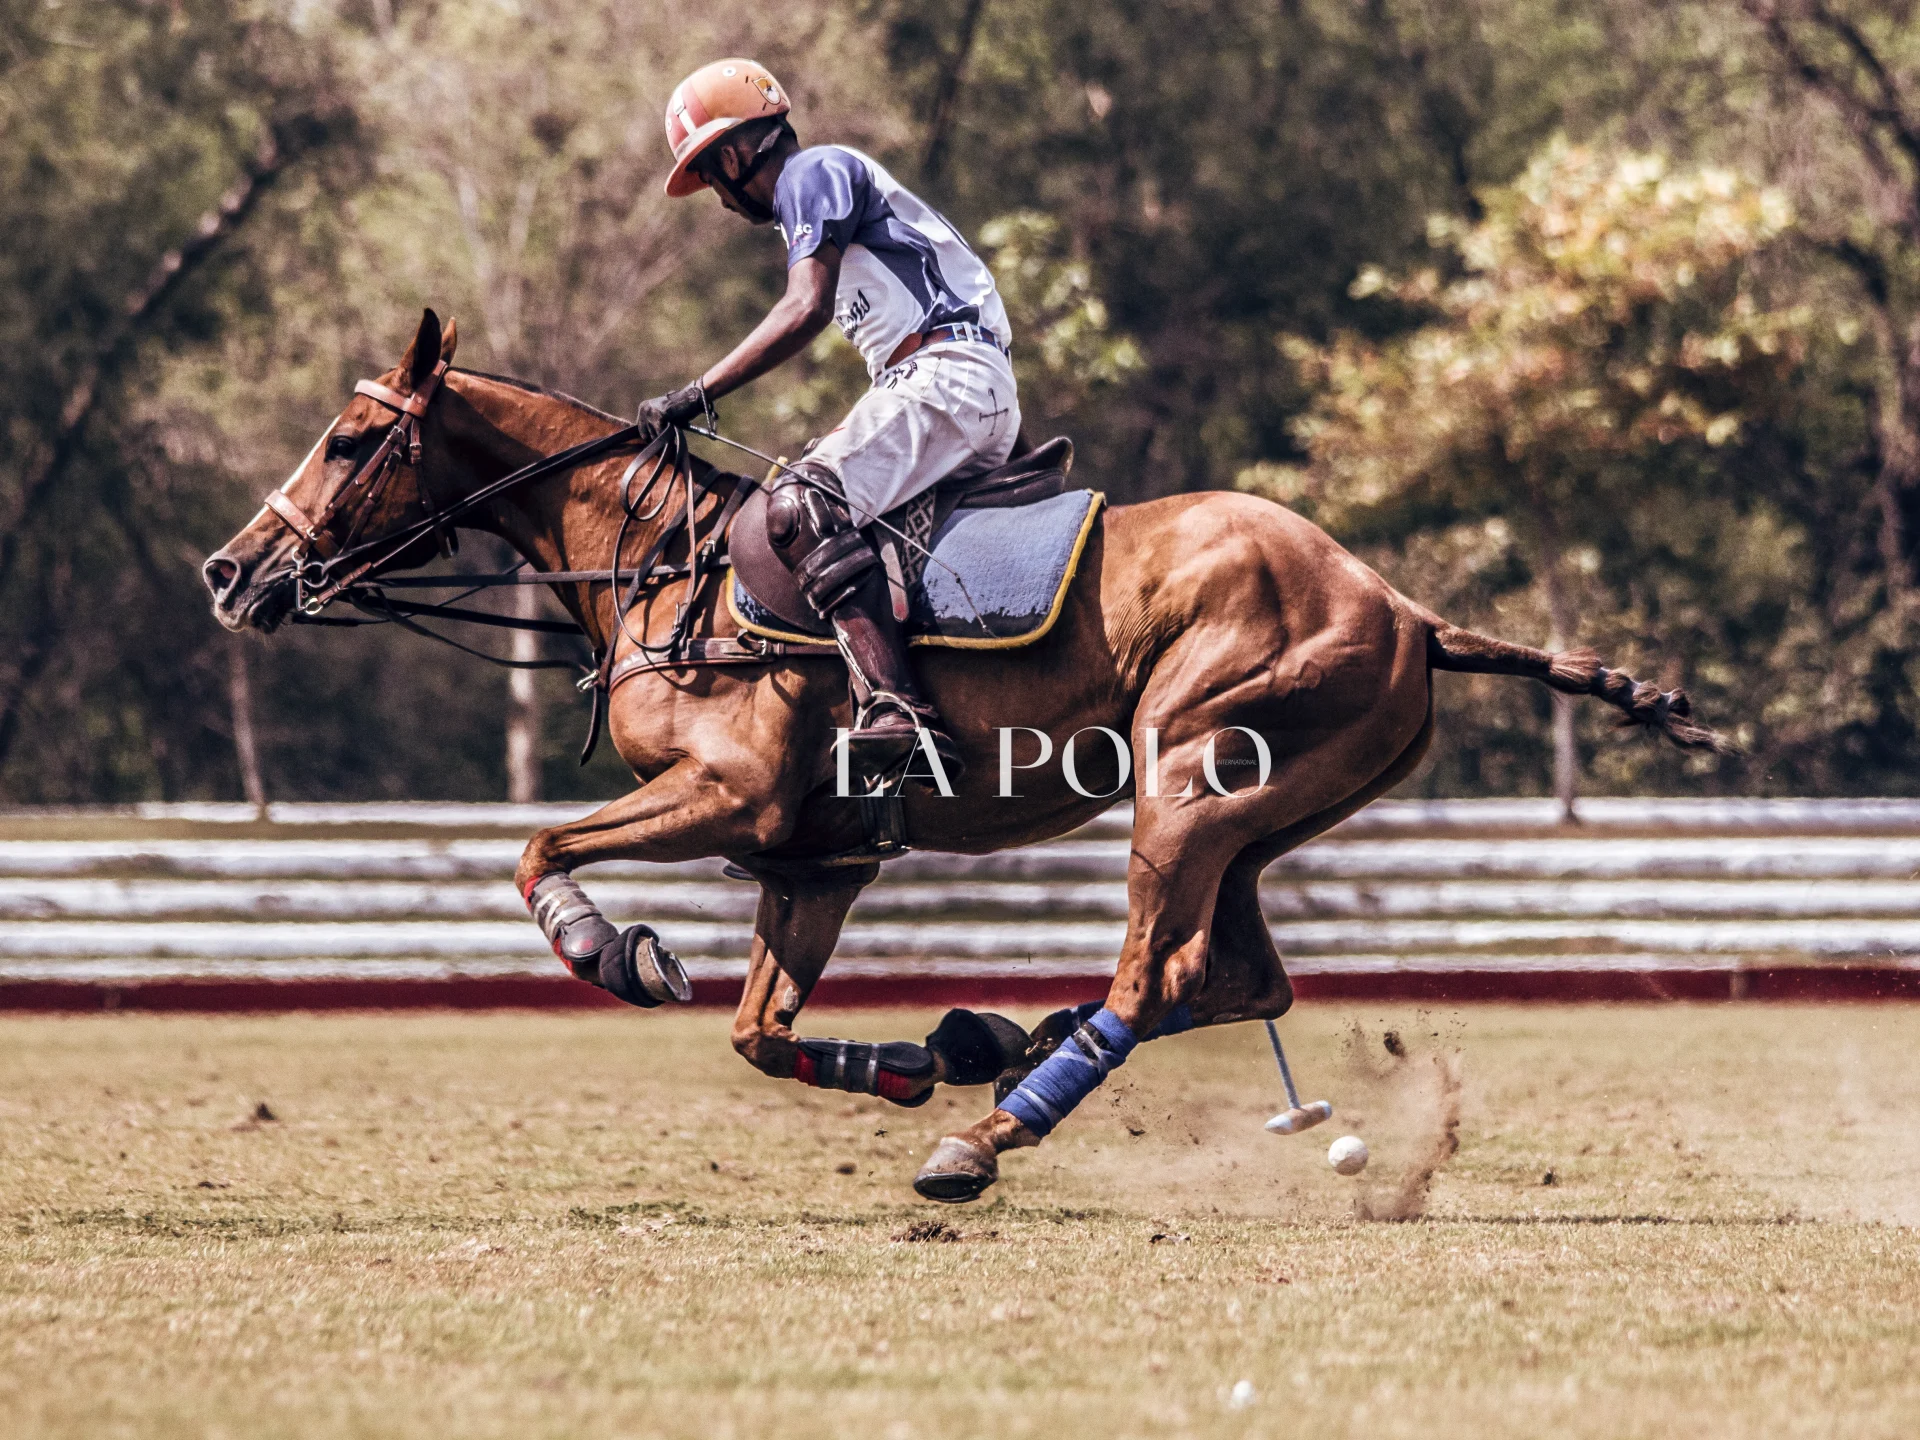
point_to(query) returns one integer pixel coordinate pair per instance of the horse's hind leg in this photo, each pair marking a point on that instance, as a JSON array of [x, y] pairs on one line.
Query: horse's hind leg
[[795, 931], [1194, 923], [1171, 884], [1246, 978]]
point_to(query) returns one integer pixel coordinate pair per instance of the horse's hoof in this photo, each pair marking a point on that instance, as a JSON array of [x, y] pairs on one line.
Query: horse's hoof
[[641, 971], [957, 1171]]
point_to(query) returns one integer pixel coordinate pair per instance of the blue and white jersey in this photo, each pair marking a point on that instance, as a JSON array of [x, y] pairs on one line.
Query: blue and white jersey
[[905, 268]]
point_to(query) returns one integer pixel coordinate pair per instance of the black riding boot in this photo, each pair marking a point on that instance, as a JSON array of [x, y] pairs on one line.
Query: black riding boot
[[840, 575], [889, 710]]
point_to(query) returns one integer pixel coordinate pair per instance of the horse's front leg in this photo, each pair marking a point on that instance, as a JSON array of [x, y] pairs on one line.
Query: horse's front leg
[[794, 934], [684, 813]]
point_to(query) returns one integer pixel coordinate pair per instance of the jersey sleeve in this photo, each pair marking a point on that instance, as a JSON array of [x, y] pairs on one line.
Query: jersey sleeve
[[822, 197]]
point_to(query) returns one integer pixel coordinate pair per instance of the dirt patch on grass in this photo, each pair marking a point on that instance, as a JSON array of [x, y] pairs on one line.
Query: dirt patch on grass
[[928, 1231], [1427, 1090]]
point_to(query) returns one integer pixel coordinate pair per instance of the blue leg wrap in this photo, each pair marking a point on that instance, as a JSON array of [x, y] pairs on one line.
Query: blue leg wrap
[[1071, 1073]]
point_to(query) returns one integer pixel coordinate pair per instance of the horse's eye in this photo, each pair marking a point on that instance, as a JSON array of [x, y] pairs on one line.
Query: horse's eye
[[341, 447]]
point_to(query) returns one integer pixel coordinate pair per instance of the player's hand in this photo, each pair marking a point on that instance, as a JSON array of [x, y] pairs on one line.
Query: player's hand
[[689, 402]]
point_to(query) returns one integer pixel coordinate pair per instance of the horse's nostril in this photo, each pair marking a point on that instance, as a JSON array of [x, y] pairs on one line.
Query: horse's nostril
[[221, 575]]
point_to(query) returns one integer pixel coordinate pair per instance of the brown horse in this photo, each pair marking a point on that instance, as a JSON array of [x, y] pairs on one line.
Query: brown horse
[[1207, 627]]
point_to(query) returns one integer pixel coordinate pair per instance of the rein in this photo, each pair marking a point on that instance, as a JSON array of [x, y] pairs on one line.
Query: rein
[[326, 569]]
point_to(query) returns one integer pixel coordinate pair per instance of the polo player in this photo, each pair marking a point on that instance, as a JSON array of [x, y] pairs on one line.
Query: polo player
[[923, 310]]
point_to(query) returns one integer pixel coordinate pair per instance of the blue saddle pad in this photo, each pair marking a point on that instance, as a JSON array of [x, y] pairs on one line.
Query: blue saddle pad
[[996, 578]]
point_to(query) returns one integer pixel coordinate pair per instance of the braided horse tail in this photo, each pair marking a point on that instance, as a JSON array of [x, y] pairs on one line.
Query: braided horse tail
[[1576, 672]]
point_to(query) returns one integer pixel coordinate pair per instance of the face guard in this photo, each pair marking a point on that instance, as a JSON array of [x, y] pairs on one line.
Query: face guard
[[711, 170]]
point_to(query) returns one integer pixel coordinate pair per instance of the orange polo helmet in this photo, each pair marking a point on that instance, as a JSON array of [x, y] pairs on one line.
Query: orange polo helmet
[[708, 103]]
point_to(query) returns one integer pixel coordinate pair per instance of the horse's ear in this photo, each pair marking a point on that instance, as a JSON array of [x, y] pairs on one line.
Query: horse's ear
[[449, 340], [424, 353]]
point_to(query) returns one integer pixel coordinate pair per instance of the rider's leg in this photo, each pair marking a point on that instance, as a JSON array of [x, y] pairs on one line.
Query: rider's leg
[[949, 410], [813, 533]]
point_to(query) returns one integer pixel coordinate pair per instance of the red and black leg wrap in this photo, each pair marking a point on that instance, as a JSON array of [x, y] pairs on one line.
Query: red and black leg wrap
[[892, 1069], [964, 1049]]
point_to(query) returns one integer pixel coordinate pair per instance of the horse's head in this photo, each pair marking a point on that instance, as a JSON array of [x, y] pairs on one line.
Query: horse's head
[[356, 504]]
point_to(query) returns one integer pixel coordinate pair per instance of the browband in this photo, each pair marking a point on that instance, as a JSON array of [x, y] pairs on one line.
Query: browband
[[415, 404]]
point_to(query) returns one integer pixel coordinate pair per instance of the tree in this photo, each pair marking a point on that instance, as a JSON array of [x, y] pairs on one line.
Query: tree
[[143, 149], [1221, 167], [1860, 63], [1604, 308]]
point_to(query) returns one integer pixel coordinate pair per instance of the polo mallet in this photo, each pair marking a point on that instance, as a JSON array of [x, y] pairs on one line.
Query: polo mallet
[[1296, 1117]]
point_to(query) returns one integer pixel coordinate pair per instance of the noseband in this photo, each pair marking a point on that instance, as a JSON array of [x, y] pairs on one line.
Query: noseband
[[319, 555]]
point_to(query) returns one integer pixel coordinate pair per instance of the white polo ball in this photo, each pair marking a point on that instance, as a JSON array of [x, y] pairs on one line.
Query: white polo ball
[[1348, 1155]]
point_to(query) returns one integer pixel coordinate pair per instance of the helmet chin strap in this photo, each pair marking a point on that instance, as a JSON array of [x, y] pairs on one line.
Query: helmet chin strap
[[758, 213]]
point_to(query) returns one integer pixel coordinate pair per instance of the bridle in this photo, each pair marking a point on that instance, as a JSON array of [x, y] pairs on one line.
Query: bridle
[[323, 566], [326, 568]]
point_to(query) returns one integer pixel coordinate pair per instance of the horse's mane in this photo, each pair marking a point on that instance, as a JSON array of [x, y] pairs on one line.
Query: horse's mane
[[532, 389]]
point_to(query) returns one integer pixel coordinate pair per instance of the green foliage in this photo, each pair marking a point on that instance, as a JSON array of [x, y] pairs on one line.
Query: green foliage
[[140, 148], [1670, 408], [1576, 448], [1059, 318], [1603, 307]]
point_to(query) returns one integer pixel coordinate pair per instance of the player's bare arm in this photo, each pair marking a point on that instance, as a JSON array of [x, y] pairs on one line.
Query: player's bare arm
[[789, 327]]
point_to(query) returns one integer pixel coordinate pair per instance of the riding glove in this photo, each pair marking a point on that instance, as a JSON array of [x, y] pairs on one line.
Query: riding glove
[[689, 402]]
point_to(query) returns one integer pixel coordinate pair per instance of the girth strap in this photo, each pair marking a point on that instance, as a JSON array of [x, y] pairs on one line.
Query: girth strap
[[719, 650]]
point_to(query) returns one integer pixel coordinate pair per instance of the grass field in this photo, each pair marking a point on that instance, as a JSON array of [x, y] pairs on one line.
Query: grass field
[[524, 1226]]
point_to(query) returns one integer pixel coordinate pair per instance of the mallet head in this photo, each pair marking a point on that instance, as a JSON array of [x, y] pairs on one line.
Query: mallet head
[[1301, 1117]]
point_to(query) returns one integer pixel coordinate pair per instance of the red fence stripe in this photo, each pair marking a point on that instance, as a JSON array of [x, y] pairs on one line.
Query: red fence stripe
[[1780, 983]]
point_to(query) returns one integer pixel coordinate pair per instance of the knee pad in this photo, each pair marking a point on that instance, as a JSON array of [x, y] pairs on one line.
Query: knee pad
[[804, 508], [813, 533]]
